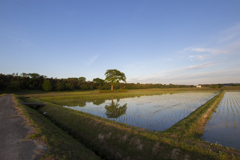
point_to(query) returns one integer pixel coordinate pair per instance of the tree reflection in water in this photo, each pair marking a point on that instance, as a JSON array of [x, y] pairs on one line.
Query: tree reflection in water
[[98, 101], [114, 110]]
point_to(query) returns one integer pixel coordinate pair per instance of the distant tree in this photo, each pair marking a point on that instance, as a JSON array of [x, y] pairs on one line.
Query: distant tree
[[98, 80], [60, 86], [13, 86], [47, 86], [114, 76], [213, 86], [24, 74], [82, 79], [34, 75], [69, 86], [220, 85], [84, 87], [73, 78]]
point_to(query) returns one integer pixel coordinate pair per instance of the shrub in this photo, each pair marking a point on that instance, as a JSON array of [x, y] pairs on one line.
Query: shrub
[[47, 86]]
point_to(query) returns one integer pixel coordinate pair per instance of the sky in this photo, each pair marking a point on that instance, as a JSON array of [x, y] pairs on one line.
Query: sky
[[151, 41]]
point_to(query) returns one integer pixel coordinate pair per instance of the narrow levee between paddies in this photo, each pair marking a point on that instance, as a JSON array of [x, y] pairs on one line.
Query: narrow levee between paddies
[[114, 140], [224, 126], [155, 113]]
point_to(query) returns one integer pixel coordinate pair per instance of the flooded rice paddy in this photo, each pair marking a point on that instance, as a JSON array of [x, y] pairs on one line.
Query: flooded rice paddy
[[224, 126], [156, 113]]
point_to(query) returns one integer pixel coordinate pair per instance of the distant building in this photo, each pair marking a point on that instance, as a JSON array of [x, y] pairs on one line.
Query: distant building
[[198, 86]]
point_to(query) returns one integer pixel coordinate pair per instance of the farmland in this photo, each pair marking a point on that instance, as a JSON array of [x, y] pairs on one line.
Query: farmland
[[224, 126], [114, 140], [155, 112]]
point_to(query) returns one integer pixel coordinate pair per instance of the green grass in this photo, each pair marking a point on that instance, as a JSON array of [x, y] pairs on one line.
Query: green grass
[[95, 95], [193, 125], [60, 144], [36, 92], [113, 91], [114, 140]]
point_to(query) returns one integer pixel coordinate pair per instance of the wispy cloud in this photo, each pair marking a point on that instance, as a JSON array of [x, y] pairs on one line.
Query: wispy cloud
[[224, 52], [167, 59], [194, 67], [220, 76], [209, 50], [229, 34], [229, 39], [198, 57], [93, 59], [168, 75], [199, 49], [13, 31]]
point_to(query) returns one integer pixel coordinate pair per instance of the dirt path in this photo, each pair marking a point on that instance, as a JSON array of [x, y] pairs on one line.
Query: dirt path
[[13, 132]]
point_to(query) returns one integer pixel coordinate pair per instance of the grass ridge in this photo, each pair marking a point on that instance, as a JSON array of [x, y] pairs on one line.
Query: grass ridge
[[61, 146], [193, 125], [114, 140]]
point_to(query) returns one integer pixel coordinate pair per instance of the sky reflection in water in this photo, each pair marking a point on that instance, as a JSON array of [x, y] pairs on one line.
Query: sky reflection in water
[[224, 126], [156, 113]]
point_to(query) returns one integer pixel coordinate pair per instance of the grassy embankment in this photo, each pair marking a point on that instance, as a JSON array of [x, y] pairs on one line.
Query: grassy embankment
[[113, 140], [60, 144], [193, 125]]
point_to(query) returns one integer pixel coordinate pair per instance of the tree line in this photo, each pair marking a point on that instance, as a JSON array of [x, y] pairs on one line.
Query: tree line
[[35, 81]]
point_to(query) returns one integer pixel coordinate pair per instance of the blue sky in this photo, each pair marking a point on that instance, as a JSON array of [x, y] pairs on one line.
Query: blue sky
[[158, 41]]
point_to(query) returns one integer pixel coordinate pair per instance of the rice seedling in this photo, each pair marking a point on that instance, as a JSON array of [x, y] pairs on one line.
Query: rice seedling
[[157, 112], [229, 136]]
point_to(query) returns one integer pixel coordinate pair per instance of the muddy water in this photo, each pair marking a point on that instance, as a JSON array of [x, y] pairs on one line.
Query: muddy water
[[224, 126]]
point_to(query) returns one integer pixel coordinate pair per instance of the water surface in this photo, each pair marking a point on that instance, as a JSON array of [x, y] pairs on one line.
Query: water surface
[[224, 126], [156, 113]]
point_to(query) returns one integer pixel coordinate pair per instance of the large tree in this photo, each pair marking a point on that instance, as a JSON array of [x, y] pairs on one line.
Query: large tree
[[114, 76]]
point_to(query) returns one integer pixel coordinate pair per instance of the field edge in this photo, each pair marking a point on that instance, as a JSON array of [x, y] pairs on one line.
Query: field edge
[[113, 140]]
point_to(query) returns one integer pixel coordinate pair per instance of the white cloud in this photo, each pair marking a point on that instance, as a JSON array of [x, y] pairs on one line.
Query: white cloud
[[94, 58]]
